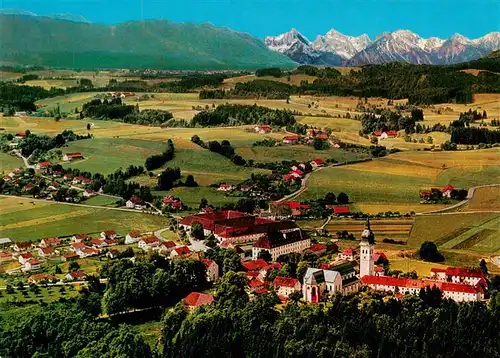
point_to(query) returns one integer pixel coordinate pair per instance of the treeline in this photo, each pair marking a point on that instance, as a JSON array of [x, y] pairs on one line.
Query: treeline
[[43, 143], [236, 114], [224, 148], [421, 84], [390, 120], [361, 325], [158, 160], [22, 98], [112, 108], [274, 72], [473, 135]]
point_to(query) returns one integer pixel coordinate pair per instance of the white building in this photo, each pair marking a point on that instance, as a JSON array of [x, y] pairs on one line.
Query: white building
[[459, 275], [212, 270], [319, 282], [367, 249], [282, 243], [148, 243], [132, 237], [285, 286]]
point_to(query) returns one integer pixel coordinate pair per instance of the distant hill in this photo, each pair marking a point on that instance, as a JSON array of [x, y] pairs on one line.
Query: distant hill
[[161, 44]]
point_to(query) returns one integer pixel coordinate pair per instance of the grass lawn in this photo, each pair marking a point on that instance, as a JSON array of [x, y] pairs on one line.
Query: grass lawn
[[9, 162], [69, 102], [422, 268], [466, 176], [106, 155], [100, 200], [335, 124], [64, 220], [49, 294]]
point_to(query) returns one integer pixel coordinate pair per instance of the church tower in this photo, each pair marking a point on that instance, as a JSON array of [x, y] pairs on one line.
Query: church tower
[[367, 248]]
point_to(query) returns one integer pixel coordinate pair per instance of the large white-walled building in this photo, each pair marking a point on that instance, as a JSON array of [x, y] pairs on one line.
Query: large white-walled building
[[317, 282], [282, 243]]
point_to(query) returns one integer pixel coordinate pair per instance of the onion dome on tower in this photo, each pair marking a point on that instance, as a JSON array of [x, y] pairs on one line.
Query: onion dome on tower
[[367, 234]]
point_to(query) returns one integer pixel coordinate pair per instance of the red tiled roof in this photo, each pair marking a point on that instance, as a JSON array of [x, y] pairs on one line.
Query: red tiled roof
[[379, 269], [70, 255], [52, 241], [447, 188], [4, 254], [77, 274], [169, 244], [292, 137], [406, 282], [27, 256], [349, 252], [111, 242], [134, 234], [182, 250], [255, 283], [24, 245], [260, 290], [254, 264], [377, 133], [207, 262], [74, 155], [322, 136], [150, 240], [196, 299], [34, 262], [324, 266], [21, 134], [47, 250], [464, 272], [135, 199], [341, 209], [109, 232], [44, 164], [96, 242], [378, 255], [391, 133], [317, 247], [318, 161], [78, 245], [81, 236], [280, 281]]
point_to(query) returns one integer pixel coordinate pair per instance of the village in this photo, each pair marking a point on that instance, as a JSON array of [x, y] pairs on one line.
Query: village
[[265, 248]]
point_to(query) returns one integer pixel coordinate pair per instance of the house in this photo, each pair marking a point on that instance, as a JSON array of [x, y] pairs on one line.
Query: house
[[31, 265], [86, 181], [132, 237], [281, 243], [75, 276], [255, 284], [41, 277], [50, 242], [167, 246], [77, 180], [148, 243], [263, 129], [45, 251], [80, 237], [212, 270], [254, 265], [348, 254], [28, 188], [111, 242], [339, 210], [23, 258], [113, 254], [225, 187], [318, 282], [22, 246], [446, 191], [98, 243], [43, 165], [380, 256], [68, 176], [89, 193], [350, 282], [285, 286], [318, 249], [296, 208], [54, 186], [70, 257], [5, 256], [21, 134], [291, 139], [379, 271], [57, 174], [322, 136], [459, 292], [170, 201], [180, 251], [88, 252], [316, 163], [197, 299], [263, 272], [135, 202], [72, 156], [425, 195], [108, 234], [77, 246]]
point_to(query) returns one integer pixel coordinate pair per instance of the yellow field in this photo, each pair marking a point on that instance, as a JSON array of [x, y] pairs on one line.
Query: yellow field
[[422, 268], [375, 208], [337, 125], [484, 199], [394, 166], [48, 84], [392, 228], [294, 79], [471, 158]]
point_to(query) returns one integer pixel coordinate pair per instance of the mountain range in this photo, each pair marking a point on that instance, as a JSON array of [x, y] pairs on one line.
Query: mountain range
[[70, 42], [337, 49]]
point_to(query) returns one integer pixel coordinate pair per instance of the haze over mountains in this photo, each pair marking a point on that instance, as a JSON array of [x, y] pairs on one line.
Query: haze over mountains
[[335, 48], [160, 44]]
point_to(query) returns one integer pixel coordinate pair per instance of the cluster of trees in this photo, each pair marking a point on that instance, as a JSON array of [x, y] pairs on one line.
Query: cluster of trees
[[473, 135], [235, 114], [429, 252], [149, 117], [391, 120], [22, 97], [158, 160], [321, 72], [268, 142], [112, 108], [224, 148], [43, 143], [157, 282], [362, 325], [170, 178], [273, 71], [193, 81]]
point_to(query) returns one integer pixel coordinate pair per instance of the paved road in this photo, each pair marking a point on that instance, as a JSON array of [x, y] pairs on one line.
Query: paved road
[[470, 195], [25, 160], [75, 204]]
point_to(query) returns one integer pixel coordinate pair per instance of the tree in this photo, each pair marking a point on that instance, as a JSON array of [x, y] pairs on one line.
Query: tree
[[88, 126], [9, 289], [343, 198], [211, 241], [73, 266], [190, 182], [203, 203], [58, 270], [483, 266], [330, 199], [265, 255], [429, 252], [197, 231]]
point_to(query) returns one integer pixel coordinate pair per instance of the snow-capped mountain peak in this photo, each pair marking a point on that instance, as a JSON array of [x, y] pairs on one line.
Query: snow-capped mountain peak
[[401, 45]]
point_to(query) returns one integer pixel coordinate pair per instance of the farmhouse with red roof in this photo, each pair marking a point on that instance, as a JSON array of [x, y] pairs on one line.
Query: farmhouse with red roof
[[262, 129], [348, 254], [316, 163], [72, 156], [197, 299], [135, 202], [148, 243], [180, 251], [291, 139]]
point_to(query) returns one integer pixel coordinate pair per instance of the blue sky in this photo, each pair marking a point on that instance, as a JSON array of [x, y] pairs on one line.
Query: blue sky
[[472, 18]]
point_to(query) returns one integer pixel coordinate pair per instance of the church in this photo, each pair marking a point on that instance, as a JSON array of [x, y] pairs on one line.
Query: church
[[321, 282]]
